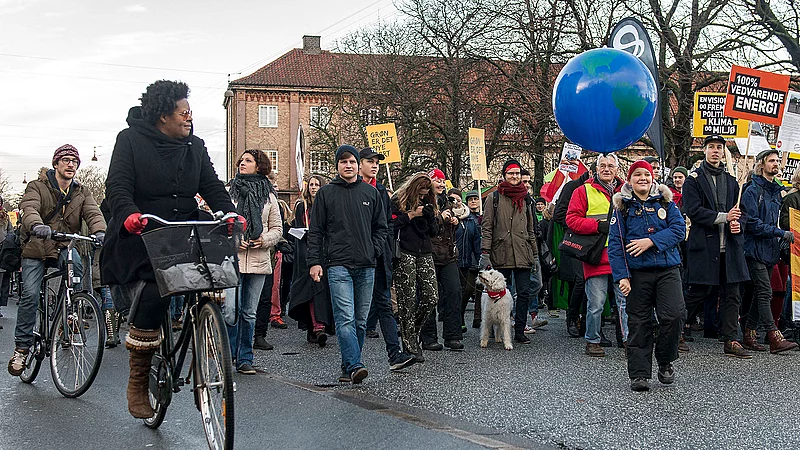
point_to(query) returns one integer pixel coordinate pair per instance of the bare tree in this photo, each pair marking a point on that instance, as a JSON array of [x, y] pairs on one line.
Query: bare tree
[[5, 183], [94, 179]]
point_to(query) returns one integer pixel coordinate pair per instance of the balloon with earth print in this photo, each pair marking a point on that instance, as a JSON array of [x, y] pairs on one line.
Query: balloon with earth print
[[604, 99]]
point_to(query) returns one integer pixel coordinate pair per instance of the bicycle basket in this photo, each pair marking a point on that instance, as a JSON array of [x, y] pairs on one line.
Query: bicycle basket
[[189, 258]]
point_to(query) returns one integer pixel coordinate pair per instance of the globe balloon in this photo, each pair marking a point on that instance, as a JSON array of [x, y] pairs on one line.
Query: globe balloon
[[604, 99]]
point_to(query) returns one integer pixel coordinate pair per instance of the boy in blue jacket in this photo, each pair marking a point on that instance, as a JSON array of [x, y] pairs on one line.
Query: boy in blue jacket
[[644, 234]]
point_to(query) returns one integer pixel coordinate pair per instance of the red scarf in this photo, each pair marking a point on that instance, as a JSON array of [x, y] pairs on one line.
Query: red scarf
[[496, 295], [516, 193]]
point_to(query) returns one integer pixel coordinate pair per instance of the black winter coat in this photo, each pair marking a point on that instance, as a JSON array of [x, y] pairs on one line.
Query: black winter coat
[[152, 173], [702, 246], [415, 234], [348, 225]]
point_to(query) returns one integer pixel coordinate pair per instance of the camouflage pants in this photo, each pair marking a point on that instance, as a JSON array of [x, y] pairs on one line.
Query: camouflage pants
[[410, 272]]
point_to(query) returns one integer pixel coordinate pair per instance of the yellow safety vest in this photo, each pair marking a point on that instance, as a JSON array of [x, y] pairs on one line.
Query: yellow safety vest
[[598, 204]]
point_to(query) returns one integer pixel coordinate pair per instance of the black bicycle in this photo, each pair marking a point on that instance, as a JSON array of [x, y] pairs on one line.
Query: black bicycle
[[68, 329], [193, 258]]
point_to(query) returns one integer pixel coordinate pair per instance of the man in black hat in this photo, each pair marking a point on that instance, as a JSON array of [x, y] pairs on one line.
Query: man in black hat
[[715, 261], [346, 236], [381, 308], [761, 204]]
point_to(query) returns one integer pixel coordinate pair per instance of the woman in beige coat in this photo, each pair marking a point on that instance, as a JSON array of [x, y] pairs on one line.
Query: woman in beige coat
[[255, 199]]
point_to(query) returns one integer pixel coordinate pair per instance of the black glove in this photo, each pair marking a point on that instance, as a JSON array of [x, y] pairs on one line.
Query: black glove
[[42, 231], [100, 236], [427, 211], [602, 226], [788, 236]]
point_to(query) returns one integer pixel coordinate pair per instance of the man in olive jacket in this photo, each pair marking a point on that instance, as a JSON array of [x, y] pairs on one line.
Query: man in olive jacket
[[508, 240], [54, 202]]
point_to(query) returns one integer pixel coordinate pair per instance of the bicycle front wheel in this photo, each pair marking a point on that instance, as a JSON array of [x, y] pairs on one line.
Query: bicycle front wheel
[[76, 350], [214, 377]]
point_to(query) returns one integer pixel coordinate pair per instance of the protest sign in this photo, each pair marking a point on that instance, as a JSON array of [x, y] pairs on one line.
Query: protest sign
[[756, 95], [757, 144], [709, 117], [383, 139], [794, 224], [791, 161], [570, 157], [477, 154], [789, 132]]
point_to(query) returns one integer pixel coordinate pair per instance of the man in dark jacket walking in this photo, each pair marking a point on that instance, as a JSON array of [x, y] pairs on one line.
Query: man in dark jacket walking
[[508, 240], [381, 306], [715, 261], [761, 204], [346, 236], [445, 256]]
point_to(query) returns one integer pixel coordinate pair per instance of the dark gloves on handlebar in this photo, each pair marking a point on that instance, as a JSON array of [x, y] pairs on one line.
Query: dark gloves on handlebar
[[135, 224], [100, 236], [42, 231]]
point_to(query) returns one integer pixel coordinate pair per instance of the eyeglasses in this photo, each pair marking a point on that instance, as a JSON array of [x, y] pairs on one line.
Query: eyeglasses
[[513, 174], [68, 161], [185, 113]]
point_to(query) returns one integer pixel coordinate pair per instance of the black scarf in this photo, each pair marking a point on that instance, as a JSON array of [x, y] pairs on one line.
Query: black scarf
[[251, 194], [719, 185]]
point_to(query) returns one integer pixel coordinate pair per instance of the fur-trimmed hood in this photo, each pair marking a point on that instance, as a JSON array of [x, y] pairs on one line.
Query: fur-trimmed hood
[[660, 192]]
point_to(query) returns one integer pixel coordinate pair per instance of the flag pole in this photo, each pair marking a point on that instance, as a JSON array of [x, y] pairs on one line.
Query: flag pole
[[480, 199], [389, 176], [746, 164]]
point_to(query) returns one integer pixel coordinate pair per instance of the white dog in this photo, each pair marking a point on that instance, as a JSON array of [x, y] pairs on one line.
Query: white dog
[[496, 302]]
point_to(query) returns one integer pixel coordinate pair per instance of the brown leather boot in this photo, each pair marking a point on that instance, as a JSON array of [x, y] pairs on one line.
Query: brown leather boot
[[778, 344], [750, 341], [142, 345]]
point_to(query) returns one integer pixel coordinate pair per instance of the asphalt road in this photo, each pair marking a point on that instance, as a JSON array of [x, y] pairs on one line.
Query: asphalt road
[[271, 412]]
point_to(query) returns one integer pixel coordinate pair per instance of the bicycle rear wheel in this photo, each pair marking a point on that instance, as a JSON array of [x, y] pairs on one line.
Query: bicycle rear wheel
[[160, 391], [77, 351], [214, 377]]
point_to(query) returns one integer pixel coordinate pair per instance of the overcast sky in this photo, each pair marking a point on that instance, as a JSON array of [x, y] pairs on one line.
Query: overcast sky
[[71, 69]]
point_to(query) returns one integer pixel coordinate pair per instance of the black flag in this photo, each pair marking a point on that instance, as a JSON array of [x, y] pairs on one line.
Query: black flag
[[629, 35]]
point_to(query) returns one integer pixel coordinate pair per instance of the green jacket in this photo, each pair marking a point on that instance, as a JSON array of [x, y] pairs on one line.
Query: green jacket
[[39, 200], [509, 238]]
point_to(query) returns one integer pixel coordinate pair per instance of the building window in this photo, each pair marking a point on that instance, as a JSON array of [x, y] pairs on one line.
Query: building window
[[273, 158], [268, 116], [370, 116], [320, 117], [320, 162]]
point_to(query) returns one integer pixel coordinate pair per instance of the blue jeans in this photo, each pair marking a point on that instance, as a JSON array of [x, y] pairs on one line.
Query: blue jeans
[[240, 316], [105, 298], [596, 291], [32, 275], [536, 286], [176, 307], [351, 295]]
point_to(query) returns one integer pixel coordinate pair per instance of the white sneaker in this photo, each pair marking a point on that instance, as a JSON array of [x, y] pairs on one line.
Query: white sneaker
[[539, 322], [529, 330]]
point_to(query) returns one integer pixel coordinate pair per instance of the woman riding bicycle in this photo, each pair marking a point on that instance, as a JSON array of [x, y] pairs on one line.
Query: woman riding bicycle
[[157, 167]]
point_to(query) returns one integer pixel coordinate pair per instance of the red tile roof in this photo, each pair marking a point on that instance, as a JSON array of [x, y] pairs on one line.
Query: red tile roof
[[295, 68]]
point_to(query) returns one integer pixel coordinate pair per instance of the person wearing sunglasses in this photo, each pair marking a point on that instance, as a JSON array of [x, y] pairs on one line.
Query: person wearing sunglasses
[[54, 202], [157, 167]]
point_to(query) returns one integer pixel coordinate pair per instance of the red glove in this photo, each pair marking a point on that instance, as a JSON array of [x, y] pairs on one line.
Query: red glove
[[232, 220], [135, 224]]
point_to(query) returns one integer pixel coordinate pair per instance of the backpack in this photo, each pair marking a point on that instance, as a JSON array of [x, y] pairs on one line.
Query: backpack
[[10, 253]]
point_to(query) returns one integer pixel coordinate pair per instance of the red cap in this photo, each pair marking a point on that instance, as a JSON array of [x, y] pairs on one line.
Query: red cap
[[436, 174], [642, 164]]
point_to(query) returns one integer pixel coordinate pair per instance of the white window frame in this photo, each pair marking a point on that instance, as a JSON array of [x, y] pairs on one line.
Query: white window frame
[[370, 116], [273, 158], [319, 162], [319, 116], [268, 116]]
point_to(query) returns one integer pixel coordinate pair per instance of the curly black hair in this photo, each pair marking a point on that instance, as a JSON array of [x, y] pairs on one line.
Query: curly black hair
[[161, 97], [263, 162]]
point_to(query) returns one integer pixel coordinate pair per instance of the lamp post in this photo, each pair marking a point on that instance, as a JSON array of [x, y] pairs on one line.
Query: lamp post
[[24, 177], [94, 155]]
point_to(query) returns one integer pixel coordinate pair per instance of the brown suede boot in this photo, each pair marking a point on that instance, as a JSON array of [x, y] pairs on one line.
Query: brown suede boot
[[750, 341], [778, 344], [142, 345]]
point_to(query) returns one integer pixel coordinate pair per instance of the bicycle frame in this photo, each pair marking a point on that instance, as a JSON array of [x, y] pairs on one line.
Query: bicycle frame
[[175, 351]]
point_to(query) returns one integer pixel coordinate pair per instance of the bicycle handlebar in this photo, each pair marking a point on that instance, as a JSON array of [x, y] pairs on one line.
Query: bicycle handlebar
[[59, 236], [219, 216]]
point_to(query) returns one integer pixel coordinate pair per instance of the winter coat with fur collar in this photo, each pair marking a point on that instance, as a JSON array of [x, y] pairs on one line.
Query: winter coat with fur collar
[[657, 218]]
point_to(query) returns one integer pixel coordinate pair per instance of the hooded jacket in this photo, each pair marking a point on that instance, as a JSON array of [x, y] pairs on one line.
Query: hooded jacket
[[152, 173], [444, 246], [508, 234], [636, 219], [761, 204], [40, 199], [579, 223], [468, 240], [348, 225]]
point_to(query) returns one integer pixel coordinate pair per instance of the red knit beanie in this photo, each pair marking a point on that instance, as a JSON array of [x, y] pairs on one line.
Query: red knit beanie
[[640, 165], [436, 174], [66, 150]]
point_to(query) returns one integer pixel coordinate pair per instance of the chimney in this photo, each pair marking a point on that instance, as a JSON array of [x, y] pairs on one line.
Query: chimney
[[311, 45]]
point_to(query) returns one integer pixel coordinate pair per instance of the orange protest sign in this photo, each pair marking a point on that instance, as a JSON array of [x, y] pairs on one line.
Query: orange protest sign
[[756, 95]]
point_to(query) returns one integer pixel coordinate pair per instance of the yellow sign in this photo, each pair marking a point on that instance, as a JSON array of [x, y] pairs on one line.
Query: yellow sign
[[477, 154], [709, 117], [383, 139], [794, 224]]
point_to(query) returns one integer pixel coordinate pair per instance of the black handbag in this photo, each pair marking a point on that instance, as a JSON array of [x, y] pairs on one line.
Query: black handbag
[[547, 261], [396, 247], [585, 247]]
